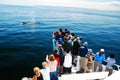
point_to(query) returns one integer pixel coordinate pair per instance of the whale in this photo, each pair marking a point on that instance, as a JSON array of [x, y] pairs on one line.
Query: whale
[[29, 22]]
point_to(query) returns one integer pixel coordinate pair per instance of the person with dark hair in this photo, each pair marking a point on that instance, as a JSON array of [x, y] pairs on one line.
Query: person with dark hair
[[74, 50], [110, 61], [57, 58], [66, 32], [61, 54], [66, 45], [57, 35], [67, 65], [60, 31], [73, 36], [69, 39]]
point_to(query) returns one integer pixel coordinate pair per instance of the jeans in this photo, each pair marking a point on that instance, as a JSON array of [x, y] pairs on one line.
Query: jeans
[[53, 76], [58, 69]]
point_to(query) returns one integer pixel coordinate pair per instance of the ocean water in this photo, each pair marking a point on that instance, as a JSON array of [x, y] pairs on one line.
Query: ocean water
[[23, 47]]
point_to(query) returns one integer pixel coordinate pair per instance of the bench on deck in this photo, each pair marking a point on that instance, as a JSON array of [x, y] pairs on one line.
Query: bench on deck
[[84, 76]]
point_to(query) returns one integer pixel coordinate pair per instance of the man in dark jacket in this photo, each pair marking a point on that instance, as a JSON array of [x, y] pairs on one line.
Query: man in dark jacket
[[66, 45], [82, 52]]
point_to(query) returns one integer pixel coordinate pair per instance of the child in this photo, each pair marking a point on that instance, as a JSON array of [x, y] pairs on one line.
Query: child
[[45, 71]]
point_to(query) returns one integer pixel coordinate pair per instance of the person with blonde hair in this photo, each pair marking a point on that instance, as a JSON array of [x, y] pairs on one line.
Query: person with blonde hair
[[45, 71], [38, 75], [57, 58], [52, 63], [26, 78]]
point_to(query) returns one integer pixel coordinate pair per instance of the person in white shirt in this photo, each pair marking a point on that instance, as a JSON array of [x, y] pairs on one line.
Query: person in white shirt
[[110, 62], [67, 64], [45, 71]]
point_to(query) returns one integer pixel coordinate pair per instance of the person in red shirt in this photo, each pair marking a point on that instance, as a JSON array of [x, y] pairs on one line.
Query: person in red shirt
[[57, 58]]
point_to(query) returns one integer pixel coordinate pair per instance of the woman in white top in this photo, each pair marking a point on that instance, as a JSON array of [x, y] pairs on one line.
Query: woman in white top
[[45, 71], [110, 61]]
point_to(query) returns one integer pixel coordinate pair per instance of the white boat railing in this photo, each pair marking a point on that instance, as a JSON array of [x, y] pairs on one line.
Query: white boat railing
[[85, 76], [115, 66]]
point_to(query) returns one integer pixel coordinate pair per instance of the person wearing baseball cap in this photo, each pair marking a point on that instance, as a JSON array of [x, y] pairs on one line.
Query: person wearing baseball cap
[[99, 57]]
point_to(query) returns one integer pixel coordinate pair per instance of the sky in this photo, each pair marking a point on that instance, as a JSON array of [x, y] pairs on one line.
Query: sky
[[91, 4]]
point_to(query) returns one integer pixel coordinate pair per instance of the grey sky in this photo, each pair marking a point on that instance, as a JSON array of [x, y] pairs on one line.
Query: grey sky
[[92, 4]]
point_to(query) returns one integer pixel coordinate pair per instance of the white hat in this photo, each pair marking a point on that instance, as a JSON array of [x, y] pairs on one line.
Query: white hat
[[85, 43], [102, 50]]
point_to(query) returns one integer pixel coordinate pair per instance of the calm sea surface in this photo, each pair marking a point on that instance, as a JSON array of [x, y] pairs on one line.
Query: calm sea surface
[[24, 46]]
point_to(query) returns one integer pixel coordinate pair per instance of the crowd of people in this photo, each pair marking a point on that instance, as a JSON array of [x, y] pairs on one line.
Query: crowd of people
[[67, 46]]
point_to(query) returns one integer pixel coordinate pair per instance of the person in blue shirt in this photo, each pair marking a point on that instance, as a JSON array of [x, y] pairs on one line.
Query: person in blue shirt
[[99, 57], [60, 41]]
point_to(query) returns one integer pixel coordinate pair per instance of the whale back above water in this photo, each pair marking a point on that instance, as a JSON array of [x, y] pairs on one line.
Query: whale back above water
[[29, 22]]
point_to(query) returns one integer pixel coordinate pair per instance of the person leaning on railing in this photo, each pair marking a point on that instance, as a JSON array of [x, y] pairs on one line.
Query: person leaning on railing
[[110, 62], [99, 57]]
